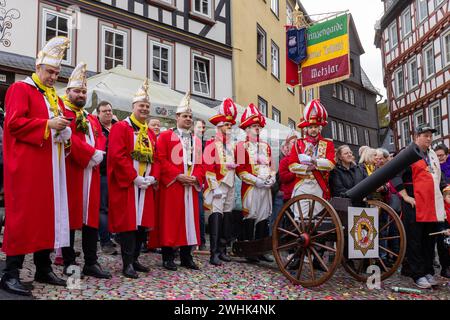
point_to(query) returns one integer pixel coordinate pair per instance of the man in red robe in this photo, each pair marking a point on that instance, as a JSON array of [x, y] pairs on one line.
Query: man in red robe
[[83, 174], [133, 172], [35, 136], [254, 159], [220, 174], [180, 154]]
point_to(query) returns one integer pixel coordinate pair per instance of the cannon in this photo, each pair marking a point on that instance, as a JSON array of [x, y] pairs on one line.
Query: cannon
[[308, 246]]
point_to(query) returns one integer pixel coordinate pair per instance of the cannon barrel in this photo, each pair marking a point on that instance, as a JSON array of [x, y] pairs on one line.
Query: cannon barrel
[[405, 158]]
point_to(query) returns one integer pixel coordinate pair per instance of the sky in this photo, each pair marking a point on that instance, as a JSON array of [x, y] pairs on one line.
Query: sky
[[365, 14]]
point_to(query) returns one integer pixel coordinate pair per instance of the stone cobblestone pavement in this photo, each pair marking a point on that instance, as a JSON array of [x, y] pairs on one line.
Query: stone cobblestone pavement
[[232, 281]]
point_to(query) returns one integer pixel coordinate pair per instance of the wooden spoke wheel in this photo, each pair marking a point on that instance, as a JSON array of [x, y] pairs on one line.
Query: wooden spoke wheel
[[308, 245], [392, 246]]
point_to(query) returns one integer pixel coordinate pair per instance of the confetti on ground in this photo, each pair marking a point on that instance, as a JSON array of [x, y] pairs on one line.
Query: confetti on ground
[[231, 281]]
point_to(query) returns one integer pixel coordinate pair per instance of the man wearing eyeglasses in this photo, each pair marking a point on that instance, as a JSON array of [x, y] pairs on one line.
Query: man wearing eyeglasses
[[105, 115]]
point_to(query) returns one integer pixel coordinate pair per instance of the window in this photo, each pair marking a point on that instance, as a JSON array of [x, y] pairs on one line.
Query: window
[[261, 46], [291, 89], [436, 118], [291, 124], [346, 98], [203, 7], [276, 115], [366, 137], [418, 119], [161, 61], [289, 11], [339, 91], [355, 136], [56, 24], [275, 57], [422, 8], [274, 6], [393, 35], [406, 23], [391, 139], [341, 132], [428, 56], [446, 48], [352, 67], [438, 3], [352, 96], [399, 83], [348, 134], [334, 91], [413, 76], [202, 76], [406, 137], [310, 95], [334, 135], [262, 105], [114, 51]]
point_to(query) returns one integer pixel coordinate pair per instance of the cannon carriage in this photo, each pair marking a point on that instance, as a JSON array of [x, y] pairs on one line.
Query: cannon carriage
[[310, 235]]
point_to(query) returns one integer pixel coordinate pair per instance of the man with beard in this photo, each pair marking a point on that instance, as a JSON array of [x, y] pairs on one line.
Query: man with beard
[[83, 174], [35, 136], [219, 190], [180, 154], [254, 168], [133, 174]]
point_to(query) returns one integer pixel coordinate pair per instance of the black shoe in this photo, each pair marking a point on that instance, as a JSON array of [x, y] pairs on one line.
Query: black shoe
[[295, 264], [214, 260], [96, 271], [14, 286], [129, 272], [265, 258], [224, 257], [190, 264], [49, 278], [140, 268], [202, 248], [170, 265], [445, 272]]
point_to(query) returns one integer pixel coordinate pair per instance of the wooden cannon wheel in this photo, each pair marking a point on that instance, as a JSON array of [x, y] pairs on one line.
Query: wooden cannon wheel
[[308, 249], [390, 228]]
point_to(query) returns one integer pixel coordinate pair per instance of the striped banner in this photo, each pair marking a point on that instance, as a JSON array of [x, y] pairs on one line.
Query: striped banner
[[328, 50]]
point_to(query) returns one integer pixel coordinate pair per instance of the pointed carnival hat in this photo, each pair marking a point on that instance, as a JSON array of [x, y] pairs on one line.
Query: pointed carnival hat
[[227, 113], [142, 94], [78, 77], [252, 115], [185, 104], [314, 114], [53, 52]]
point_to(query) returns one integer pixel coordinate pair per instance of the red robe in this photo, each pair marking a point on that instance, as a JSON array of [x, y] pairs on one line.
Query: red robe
[[325, 151], [82, 193], [178, 222], [129, 206], [36, 209], [287, 178]]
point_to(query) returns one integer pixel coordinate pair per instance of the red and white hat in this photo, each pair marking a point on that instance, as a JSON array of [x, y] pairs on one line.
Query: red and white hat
[[227, 113], [314, 114], [252, 115]]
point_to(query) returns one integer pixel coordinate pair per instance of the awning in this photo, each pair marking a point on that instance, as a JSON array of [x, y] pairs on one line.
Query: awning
[[118, 86]]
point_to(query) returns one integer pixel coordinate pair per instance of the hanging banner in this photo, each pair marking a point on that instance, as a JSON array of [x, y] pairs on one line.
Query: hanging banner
[[328, 53], [296, 44], [363, 233], [292, 68]]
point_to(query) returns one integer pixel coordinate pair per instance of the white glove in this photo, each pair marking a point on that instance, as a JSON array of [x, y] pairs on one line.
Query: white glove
[[217, 193], [141, 183], [271, 181], [63, 135], [260, 183], [98, 156], [150, 180], [303, 158]]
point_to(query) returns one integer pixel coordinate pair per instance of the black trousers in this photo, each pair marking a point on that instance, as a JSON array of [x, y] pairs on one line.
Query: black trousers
[[89, 238], [420, 246], [168, 253], [131, 243], [41, 260], [443, 252]]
